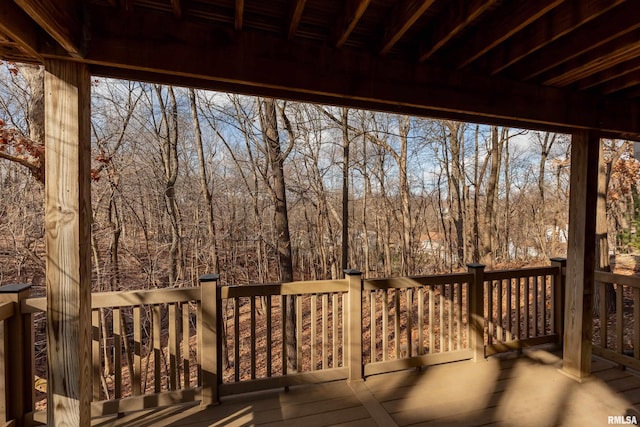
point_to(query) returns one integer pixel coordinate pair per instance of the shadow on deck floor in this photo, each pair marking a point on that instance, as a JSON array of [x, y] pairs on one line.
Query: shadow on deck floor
[[503, 391]]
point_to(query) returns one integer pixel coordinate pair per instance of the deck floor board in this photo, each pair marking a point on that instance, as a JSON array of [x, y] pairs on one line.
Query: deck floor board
[[503, 391]]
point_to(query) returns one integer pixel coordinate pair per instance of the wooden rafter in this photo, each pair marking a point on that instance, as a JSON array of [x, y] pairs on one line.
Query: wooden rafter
[[315, 73], [60, 19], [239, 14], [354, 9], [458, 16], [599, 59], [404, 15], [20, 28], [177, 8], [618, 71], [597, 32], [295, 15], [507, 21], [557, 23], [618, 85]]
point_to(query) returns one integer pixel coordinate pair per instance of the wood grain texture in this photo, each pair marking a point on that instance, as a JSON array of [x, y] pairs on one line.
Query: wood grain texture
[[581, 259], [67, 226]]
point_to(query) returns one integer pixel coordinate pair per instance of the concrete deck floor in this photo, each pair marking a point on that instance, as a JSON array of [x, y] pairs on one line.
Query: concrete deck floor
[[502, 391]]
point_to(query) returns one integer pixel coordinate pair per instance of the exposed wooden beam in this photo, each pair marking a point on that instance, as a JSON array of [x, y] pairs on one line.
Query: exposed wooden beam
[[68, 230], [508, 20], [346, 23], [404, 15], [239, 14], [586, 153], [599, 31], [256, 63], [295, 15], [61, 19], [618, 85], [618, 71], [603, 57], [458, 16], [15, 23], [558, 22], [177, 8]]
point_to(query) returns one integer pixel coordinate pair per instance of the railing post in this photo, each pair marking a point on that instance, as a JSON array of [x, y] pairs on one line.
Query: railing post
[[17, 353], [354, 322], [558, 297], [476, 311], [208, 338]]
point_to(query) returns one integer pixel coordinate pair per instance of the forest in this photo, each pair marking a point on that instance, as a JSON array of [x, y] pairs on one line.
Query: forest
[[187, 182]]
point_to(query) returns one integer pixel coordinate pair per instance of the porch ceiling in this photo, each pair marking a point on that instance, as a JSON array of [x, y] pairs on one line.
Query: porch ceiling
[[550, 64]]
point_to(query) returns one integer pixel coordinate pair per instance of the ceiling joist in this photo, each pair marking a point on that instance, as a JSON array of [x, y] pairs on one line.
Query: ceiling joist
[[609, 26], [506, 22], [251, 62], [19, 27], [239, 15], [404, 15], [295, 15], [458, 16], [552, 26], [354, 9], [60, 19]]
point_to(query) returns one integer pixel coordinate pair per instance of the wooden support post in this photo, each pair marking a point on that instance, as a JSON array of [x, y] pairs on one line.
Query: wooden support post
[[476, 311], [17, 352], [581, 260], [354, 343], [558, 297], [209, 345], [68, 230]]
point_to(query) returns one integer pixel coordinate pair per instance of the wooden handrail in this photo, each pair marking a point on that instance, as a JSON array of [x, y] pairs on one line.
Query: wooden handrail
[[620, 279], [7, 310]]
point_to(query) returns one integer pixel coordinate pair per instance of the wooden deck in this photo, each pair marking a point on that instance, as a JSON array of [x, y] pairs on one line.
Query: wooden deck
[[523, 391]]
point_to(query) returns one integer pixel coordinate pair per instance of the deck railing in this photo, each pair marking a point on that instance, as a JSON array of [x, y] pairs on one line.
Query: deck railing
[[160, 347], [617, 332]]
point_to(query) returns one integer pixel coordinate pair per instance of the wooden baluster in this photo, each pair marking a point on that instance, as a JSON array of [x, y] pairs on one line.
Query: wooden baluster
[[526, 306], [490, 316], [396, 321], [269, 335], [236, 339], [325, 331], [157, 349], [283, 323], [252, 335], [441, 341], [299, 319], [137, 351], [459, 287], [173, 348], [509, 336], [476, 306], [518, 284], [372, 325], [95, 355], [619, 318], [500, 326], [536, 304], [186, 350], [385, 324], [409, 322], [314, 331], [354, 281], [334, 325], [420, 321], [432, 329], [117, 353], [449, 304]]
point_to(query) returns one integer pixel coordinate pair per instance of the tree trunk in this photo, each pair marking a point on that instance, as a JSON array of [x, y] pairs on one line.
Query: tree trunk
[[269, 125]]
